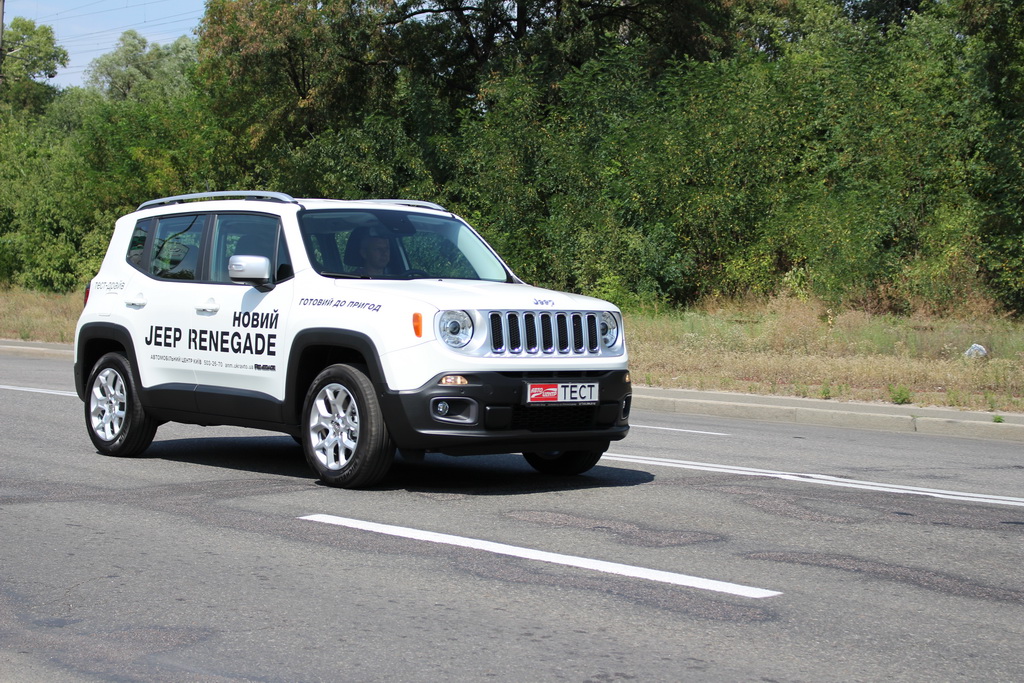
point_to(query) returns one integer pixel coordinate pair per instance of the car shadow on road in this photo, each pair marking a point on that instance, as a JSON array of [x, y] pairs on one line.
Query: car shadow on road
[[277, 455], [507, 474], [499, 475]]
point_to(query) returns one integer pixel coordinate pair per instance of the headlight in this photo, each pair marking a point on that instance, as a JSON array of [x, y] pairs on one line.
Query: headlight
[[609, 329], [455, 328]]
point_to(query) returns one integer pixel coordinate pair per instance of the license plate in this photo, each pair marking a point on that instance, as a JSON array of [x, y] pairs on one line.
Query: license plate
[[562, 393]]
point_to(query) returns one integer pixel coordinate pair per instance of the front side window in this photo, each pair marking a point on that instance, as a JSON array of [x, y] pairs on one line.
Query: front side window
[[248, 235], [176, 246], [391, 244]]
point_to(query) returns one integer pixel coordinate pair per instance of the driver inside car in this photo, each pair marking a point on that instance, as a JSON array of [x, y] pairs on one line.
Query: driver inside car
[[376, 253]]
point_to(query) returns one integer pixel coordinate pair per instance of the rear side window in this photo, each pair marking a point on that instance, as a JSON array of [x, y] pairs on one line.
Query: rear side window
[[177, 242], [137, 245]]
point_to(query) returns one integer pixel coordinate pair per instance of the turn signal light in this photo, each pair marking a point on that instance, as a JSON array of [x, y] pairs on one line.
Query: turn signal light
[[453, 380], [417, 324]]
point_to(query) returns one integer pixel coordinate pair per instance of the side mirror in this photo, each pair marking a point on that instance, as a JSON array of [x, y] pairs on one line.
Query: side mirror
[[250, 270]]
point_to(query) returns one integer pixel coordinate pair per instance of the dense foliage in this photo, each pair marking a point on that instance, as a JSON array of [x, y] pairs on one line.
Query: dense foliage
[[868, 152]]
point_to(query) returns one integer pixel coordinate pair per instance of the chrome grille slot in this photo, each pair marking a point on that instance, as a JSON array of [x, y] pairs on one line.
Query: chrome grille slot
[[563, 332], [578, 342], [497, 333], [547, 333], [530, 322], [515, 337]]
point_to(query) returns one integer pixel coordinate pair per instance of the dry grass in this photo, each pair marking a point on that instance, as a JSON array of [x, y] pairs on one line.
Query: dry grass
[[32, 316], [785, 347], [798, 348]]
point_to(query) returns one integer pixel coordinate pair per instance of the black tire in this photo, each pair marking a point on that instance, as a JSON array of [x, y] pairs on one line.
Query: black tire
[[344, 436], [116, 421], [563, 463]]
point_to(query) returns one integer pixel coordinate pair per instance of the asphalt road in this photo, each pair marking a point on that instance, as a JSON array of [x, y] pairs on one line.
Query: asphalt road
[[700, 548]]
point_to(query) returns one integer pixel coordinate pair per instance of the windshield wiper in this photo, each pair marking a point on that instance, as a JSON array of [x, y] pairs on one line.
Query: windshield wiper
[[354, 276]]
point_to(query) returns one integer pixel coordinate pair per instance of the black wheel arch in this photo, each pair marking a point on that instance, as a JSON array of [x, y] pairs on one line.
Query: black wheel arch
[[314, 349], [94, 341]]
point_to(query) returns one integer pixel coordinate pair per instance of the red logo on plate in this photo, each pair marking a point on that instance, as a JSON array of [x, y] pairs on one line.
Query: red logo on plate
[[543, 392]]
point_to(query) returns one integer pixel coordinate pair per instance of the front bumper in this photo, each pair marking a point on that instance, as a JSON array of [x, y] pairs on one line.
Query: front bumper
[[489, 414]]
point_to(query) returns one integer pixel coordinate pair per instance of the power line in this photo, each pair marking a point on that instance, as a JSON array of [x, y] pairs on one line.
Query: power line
[[62, 15], [84, 44], [102, 51], [75, 9], [119, 30]]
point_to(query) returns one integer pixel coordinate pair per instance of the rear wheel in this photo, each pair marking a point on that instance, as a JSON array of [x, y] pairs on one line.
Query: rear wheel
[[345, 439], [115, 419], [564, 463]]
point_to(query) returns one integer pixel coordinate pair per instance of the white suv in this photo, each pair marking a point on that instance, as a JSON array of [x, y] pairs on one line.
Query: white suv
[[357, 327]]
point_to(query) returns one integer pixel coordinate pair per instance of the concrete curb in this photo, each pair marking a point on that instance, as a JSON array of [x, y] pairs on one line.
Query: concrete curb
[[1005, 431], [932, 421], [30, 350]]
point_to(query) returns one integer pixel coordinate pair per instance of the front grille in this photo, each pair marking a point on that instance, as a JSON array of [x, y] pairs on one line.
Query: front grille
[[545, 333]]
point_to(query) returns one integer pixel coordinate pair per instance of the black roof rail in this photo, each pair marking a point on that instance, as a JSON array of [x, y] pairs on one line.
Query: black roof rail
[[244, 194], [409, 202]]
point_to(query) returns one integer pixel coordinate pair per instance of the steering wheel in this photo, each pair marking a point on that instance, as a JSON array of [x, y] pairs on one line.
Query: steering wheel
[[415, 272]]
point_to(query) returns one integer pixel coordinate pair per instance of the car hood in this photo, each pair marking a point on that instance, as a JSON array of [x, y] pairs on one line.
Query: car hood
[[480, 295]]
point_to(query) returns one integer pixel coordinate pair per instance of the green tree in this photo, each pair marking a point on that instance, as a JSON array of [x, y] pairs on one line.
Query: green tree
[[285, 72], [30, 52], [884, 13], [375, 158], [840, 162], [41, 239], [94, 153], [499, 158], [137, 68], [999, 25]]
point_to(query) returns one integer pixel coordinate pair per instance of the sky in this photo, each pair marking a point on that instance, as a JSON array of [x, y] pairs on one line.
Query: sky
[[88, 29]]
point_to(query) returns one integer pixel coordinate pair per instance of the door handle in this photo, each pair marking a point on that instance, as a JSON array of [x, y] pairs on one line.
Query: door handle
[[209, 306], [137, 301]]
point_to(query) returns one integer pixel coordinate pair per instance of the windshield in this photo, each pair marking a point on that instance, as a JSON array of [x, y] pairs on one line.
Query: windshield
[[394, 244]]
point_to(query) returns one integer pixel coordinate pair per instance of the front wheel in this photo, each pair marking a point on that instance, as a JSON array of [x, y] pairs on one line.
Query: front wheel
[[563, 463], [345, 439], [116, 421]]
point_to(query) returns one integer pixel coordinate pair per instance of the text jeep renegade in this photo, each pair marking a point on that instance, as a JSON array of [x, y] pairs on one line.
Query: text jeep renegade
[[357, 327]]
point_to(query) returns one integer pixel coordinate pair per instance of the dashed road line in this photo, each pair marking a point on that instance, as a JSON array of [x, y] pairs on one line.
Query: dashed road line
[[553, 558], [822, 479], [676, 429], [39, 391]]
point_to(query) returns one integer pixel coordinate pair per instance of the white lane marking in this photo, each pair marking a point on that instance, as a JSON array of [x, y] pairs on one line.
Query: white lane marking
[[823, 479], [554, 558], [39, 391], [675, 429]]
